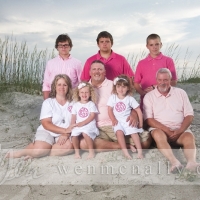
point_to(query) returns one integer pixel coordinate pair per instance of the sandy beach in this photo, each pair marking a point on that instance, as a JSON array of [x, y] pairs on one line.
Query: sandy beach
[[108, 176]]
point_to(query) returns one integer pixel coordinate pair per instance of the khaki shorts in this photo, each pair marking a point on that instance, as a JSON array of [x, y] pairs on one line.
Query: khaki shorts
[[107, 133], [173, 144], [45, 136], [187, 130]]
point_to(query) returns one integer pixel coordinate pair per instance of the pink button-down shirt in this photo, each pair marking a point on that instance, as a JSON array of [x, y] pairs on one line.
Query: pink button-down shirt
[[169, 110], [71, 67], [103, 93], [115, 65]]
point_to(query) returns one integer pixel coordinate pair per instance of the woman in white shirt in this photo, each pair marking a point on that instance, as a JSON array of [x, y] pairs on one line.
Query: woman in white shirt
[[52, 136]]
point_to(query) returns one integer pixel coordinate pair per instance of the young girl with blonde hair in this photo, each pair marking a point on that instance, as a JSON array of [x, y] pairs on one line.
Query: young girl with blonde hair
[[83, 114]]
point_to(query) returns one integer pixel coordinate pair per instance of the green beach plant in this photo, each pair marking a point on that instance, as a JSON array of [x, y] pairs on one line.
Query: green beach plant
[[20, 69]]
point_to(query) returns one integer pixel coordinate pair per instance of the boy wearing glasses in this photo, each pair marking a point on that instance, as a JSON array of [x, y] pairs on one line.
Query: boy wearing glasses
[[64, 63]]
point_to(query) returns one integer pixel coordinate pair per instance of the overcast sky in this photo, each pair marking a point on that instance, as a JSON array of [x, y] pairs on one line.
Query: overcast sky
[[39, 22]]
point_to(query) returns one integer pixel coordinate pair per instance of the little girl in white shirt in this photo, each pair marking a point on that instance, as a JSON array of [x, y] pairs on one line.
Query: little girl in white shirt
[[120, 104], [83, 114]]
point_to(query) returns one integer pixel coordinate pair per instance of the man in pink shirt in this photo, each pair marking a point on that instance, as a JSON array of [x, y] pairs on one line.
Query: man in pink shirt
[[115, 64], [64, 63], [144, 80], [169, 113], [103, 87]]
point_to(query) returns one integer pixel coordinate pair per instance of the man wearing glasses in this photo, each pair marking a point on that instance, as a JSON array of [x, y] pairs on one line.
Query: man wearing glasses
[[64, 63]]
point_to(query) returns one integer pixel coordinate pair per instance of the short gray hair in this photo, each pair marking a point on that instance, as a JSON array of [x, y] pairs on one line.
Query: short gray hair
[[162, 71]]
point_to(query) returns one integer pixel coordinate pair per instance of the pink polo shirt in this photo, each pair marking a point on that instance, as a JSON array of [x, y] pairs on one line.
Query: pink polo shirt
[[115, 66], [169, 110], [103, 93], [71, 67], [146, 70]]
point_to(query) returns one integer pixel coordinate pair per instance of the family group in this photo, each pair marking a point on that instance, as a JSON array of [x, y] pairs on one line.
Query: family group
[[93, 107]]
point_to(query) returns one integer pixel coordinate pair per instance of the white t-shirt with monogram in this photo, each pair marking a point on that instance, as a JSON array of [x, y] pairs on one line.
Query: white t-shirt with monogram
[[82, 112], [61, 115], [122, 109]]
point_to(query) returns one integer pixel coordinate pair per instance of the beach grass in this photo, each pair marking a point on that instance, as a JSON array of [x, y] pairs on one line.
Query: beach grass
[[22, 69]]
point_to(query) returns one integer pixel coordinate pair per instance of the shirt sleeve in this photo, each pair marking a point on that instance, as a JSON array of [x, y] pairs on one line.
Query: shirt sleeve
[[74, 110], [46, 86], [147, 107], [137, 77], [171, 67], [133, 103], [85, 72], [46, 111], [127, 68], [110, 101], [93, 108], [79, 71], [188, 110]]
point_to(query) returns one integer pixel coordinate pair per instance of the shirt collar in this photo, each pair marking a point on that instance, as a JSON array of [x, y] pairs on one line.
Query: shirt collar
[[112, 55], [158, 94], [65, 59], [149, 58], [104, 83]]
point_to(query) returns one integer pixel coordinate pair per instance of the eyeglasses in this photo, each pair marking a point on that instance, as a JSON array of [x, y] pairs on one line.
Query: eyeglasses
[[63, 46]]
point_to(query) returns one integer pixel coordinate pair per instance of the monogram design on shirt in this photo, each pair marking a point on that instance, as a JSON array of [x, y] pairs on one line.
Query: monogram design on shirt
[[120, 106], [69, 109], [83, 112]]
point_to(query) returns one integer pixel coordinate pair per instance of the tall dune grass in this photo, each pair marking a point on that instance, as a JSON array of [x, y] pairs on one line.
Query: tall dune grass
[[22, 70]]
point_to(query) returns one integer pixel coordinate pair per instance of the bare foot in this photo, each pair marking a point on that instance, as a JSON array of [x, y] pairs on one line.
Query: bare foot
[[13, 154], [176, 168], [140, 156], [77, 156], [90, 156], [28, 157], [127, 156], [133, 149], [193, 166]]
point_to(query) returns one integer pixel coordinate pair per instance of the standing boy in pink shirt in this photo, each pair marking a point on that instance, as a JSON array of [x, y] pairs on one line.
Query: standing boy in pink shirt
[[115, 64], [144, 80], [64, 63]]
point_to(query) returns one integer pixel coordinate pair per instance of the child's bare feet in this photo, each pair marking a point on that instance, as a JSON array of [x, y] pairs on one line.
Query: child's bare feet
[[127, 156], [133, 149], [91, 155], [140, 156], [77, 156]]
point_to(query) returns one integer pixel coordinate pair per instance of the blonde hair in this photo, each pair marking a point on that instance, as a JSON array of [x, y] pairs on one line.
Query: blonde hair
[[76, 96], [124, 81], [52, 93]]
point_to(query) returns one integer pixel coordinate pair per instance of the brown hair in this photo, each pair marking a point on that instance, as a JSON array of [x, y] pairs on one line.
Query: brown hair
[[124, 81], [104, 34], [153, 36], [63, 38], [76, 96], [52, 93]]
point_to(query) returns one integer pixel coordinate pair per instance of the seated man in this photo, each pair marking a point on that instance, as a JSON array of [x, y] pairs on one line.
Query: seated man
[[169, 113], [107, 139]]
